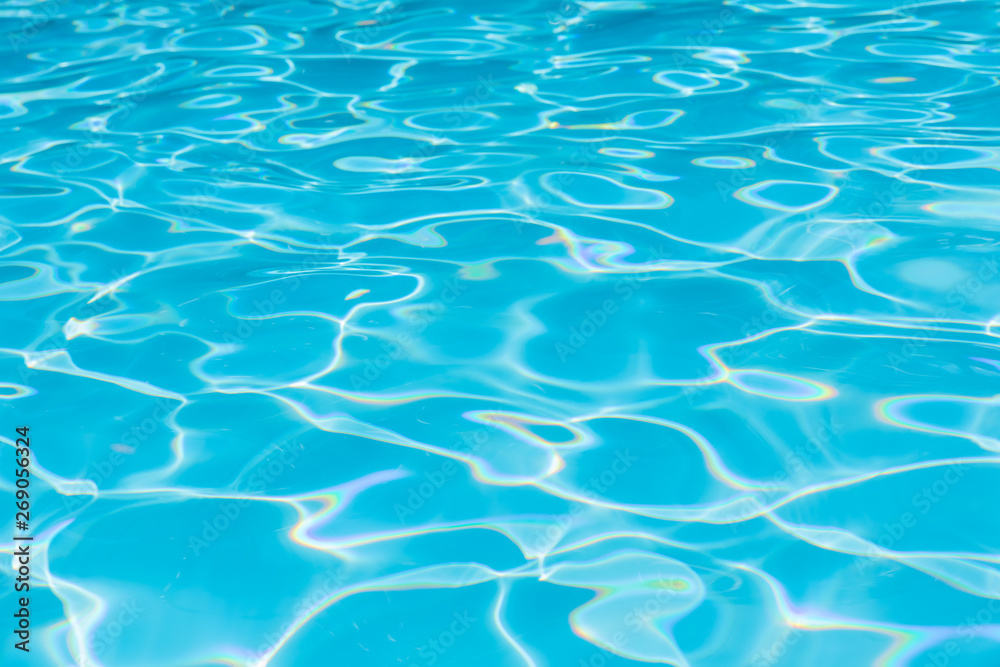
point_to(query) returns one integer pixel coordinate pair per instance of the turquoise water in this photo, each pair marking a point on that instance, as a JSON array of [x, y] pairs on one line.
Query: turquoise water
[[527, 334]]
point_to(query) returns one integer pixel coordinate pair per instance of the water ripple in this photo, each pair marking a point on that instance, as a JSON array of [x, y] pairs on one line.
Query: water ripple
[[569, 333]]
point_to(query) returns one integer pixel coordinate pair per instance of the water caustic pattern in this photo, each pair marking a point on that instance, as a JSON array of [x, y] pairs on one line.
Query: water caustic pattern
[[419, 333]]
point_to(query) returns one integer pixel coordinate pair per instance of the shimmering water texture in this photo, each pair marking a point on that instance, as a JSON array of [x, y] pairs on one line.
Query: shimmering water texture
[[528, 334]]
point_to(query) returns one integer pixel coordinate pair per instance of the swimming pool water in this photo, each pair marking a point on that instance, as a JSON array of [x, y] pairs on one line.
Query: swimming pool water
[[527, 334]]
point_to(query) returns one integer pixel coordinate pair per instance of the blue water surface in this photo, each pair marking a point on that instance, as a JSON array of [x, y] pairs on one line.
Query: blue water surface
[[525, 334]]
